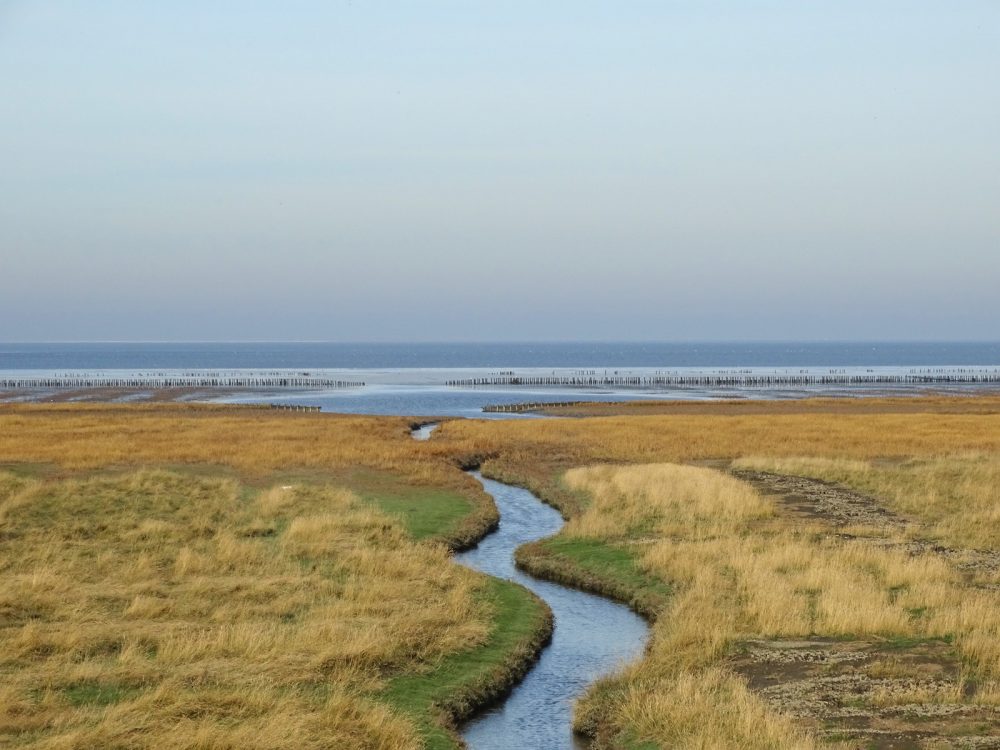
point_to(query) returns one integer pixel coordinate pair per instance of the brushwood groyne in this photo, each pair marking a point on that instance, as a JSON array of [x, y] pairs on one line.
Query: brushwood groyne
[[234, 380], [734, 380], [530, 406]]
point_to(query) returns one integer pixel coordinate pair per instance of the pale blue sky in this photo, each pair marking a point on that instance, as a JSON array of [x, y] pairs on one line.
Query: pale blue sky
[[512, 170]]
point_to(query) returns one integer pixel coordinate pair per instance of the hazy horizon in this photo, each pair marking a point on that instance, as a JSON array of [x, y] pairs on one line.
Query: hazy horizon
[[447, 172], [510, 342]]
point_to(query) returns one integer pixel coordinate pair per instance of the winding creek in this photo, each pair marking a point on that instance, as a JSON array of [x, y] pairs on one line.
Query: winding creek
[[592, 637]]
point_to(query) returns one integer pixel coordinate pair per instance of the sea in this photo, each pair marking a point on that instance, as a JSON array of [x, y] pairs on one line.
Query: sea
[[412, 379]]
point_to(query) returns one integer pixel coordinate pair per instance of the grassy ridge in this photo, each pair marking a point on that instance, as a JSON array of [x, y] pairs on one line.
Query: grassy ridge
[[593, 565]]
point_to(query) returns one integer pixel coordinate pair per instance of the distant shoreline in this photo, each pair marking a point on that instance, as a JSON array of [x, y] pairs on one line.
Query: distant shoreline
[[526, 404]]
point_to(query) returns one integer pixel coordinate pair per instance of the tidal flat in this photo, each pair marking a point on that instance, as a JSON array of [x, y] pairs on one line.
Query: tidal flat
[[210, 576]]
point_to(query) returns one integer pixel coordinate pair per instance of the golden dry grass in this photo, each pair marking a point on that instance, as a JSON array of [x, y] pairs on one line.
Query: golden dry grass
[[154, 609], [984, 403], [254, 442], [709, 708], [256, 445], [952, 499], [696, 437], [741, 572], [739, 569]]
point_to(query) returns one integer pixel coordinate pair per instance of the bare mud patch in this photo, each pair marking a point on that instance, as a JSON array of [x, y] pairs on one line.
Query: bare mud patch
[[816, 500], [838, 506], [883, 694], [869, 693]]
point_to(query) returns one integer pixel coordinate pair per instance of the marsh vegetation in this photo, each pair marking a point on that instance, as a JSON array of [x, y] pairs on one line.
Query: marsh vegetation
[[197, 577], [170, 579], [782, 619]]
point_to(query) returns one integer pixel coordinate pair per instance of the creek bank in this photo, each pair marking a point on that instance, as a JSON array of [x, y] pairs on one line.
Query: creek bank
[[593, 635], [480, 521], [465, 683]]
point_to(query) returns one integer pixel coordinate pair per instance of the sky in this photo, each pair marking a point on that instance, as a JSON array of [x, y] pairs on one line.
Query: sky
[[444, 171]]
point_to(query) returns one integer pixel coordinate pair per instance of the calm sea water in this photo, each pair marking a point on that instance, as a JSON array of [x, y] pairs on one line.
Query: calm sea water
[[118, 356], [409, 379]]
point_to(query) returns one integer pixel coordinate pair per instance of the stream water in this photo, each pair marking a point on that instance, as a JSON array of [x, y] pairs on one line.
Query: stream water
[[423, 432], [592, 637]]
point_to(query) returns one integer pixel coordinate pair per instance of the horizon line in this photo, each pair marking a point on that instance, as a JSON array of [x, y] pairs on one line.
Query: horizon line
[[430, 342]]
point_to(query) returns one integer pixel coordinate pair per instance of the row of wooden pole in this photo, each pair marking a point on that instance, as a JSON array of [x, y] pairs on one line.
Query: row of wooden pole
[[722, 381], [16, 383], [517, 408]]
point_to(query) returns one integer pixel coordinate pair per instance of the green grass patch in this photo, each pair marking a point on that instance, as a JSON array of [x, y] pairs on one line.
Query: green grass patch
[[97, 694], [607, 562], [630, 743], [27, 470], [424, 512], [467, 680], [899, 642]]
